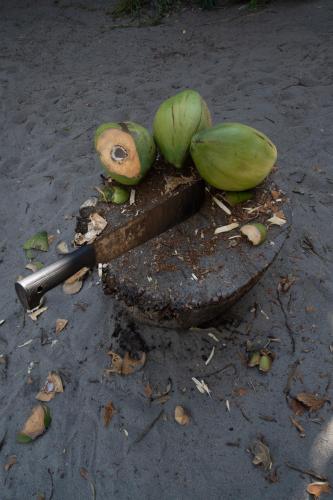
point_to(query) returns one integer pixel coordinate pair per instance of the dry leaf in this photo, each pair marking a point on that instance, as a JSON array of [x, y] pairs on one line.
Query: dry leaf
[[62, 248], [77, 276], [60, 325], [286, 282], [277, 220], [52, 385], [96, 225], [311, 401], [226, 229], [241, 391], [298, 426], [148, 391], [39, 420], [131, 365], [275, 194], [261, 455], [74, 284], [310, 309], [84, 473], [51, 238], [109, 411], [12, 460], [73, 288], [34, 266], [34, 315], [171, 183], [181, 416], [126, 365], [316, 489], [296, 407]]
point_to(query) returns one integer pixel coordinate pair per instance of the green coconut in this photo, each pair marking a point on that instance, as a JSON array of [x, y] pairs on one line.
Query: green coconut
[[126, 151], [232, 156], [176, 121]]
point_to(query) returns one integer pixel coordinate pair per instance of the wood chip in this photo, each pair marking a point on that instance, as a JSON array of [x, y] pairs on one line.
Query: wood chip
[[60, 325], [226, 229], [132, 197], [181, 416], [77, 276], [276, 220], [62, 248], [108, 413], [74, 284]]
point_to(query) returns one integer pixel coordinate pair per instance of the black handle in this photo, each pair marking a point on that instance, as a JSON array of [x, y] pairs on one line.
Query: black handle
[[31, 289]]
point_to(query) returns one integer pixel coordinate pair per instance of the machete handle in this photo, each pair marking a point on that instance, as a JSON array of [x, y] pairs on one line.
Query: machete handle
[[31, 289]]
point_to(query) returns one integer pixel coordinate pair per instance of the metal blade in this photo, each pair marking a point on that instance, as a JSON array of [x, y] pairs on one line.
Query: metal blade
[[151, 223]]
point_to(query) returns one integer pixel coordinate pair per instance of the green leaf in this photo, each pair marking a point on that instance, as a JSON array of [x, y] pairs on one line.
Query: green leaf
[[37, 242]]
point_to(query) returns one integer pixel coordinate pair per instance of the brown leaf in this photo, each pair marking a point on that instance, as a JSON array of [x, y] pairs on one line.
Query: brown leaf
[[311, 401], [298, 426], [117, 363], [84, 473], [241, 391], [131, 365], [109, 411], [148, 390], [181, 416], [60, 325], [261, 455], [310, 309], [275, 194], [52, 385], [51, 238], [296, 407], [12, 460], [316, 489], [126, 365]]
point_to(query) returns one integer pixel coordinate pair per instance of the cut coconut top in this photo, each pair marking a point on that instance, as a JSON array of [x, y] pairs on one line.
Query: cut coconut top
[[118, 153]]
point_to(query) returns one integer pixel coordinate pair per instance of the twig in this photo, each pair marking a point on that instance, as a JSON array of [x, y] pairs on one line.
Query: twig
[[305, 471], [291, 375], [148, 428], [52, 485], [229, 365], [286, 322]]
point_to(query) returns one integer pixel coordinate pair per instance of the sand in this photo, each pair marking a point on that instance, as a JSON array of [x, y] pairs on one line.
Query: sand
[[63, 71]]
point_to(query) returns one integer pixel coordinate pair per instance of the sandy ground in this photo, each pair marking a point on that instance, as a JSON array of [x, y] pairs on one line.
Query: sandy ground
[[64, 70]]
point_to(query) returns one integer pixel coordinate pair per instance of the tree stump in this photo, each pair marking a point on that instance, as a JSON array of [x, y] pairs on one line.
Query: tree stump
[[188, 276]]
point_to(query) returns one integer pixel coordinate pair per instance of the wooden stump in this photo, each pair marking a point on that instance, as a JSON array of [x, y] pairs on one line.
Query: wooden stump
[[188, 276]]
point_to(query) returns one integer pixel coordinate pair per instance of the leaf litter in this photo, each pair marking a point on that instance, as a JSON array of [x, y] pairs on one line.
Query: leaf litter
[[60, 325], [312, 402], [52, 386], [126, 365], [181, 416], [37, 423], [261, 454], [202, 386], [108, 413], [74, 284]]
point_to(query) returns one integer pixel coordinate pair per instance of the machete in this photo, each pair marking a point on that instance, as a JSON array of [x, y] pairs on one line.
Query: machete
[[167, 211]]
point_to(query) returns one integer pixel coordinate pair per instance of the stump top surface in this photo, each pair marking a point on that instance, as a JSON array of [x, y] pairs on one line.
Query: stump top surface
[[189, 267]]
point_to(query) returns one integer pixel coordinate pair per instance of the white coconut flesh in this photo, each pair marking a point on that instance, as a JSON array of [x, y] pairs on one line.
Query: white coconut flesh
[[255, 234], [118, 153]]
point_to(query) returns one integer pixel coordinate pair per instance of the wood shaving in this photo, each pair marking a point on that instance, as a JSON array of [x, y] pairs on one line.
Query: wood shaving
[[12, 460], [227, 405], [34, 315], [213, 337], [298, 426], [226, 229], [201, 386], [194, 277], [210, 357], [26, 343], [221, 205], [2, 322]]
